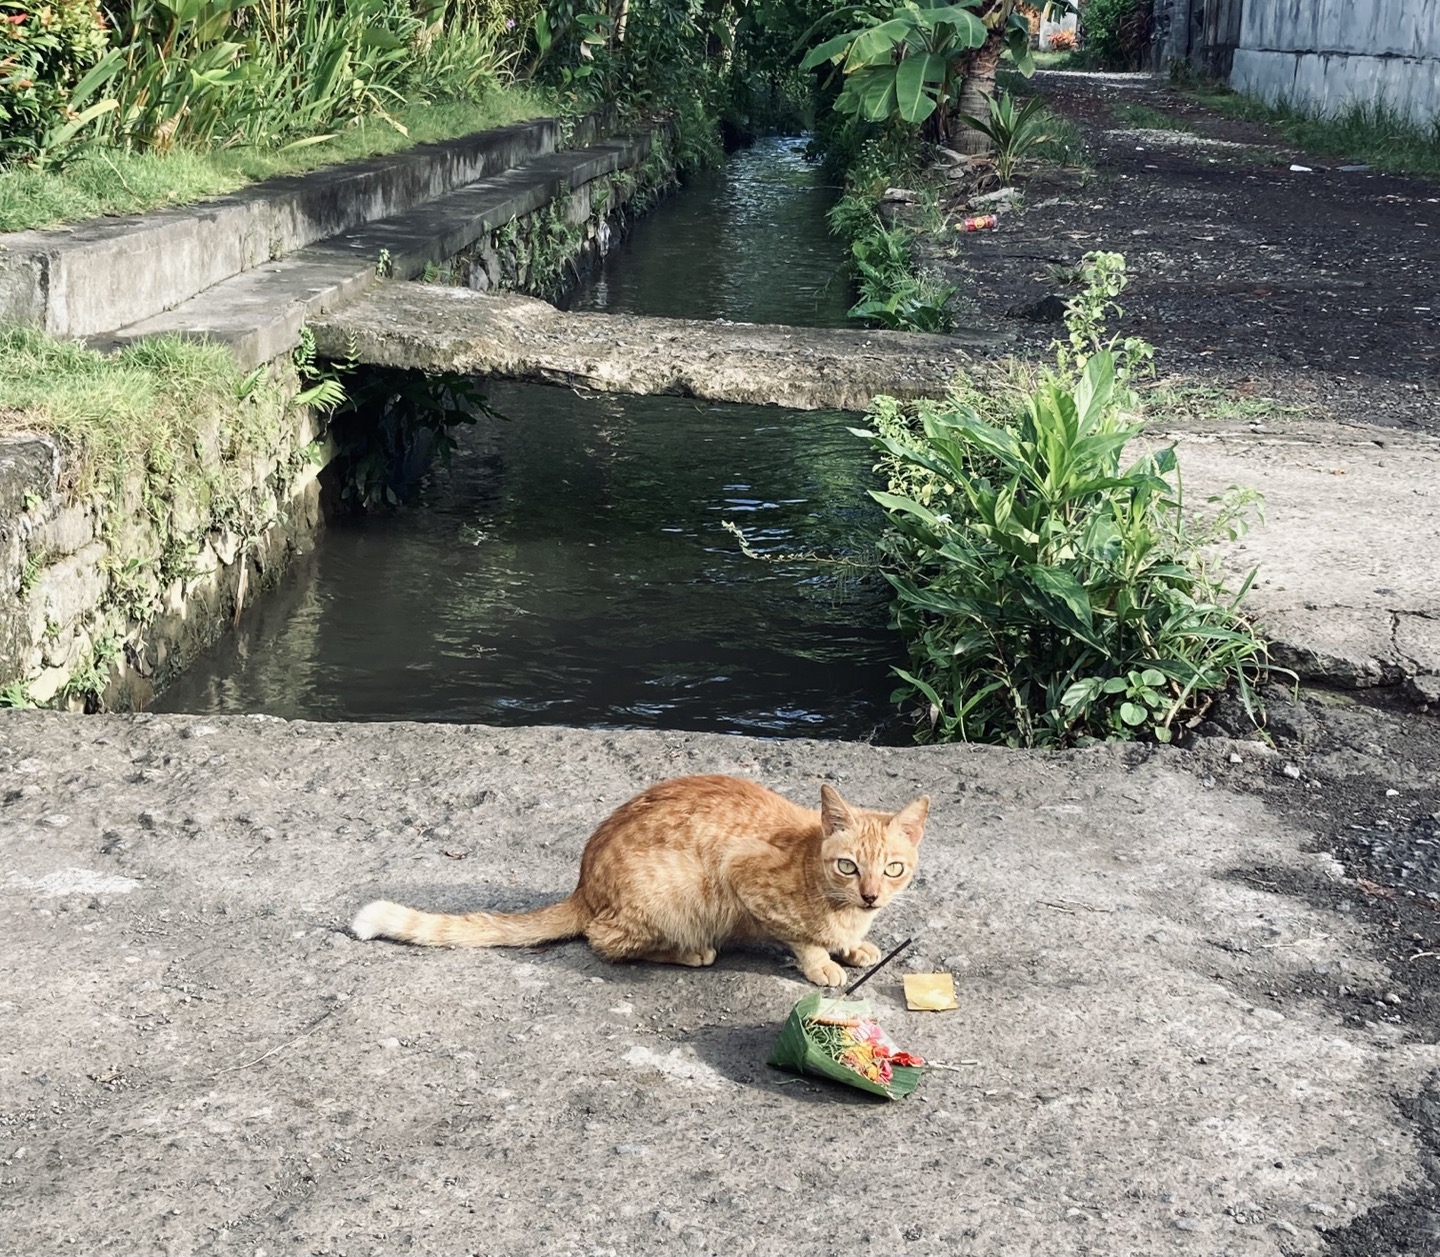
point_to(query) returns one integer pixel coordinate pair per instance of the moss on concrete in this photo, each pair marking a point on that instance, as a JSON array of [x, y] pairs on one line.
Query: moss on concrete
[[145, 492]]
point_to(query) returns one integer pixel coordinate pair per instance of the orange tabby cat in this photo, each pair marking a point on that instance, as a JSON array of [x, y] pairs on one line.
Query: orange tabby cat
[[694, 863]]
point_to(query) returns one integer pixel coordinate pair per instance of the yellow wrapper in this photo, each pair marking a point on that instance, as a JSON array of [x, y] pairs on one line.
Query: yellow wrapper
[[930, 992]]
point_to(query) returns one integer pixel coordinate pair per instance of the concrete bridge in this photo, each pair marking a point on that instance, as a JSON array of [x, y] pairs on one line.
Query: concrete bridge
[[439, 328]]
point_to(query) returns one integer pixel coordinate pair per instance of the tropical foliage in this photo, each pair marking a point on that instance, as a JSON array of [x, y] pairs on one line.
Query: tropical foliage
[[44, 53], [1051, 591], [892, 293], [259, 73], [909, 61], [1117, 32], [1012, 131]]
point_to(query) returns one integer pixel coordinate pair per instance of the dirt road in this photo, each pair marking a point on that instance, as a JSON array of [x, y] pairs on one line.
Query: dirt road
[[1316, 288]]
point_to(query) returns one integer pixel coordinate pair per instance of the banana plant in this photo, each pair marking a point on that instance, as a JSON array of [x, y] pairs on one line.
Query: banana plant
[[902, 63]]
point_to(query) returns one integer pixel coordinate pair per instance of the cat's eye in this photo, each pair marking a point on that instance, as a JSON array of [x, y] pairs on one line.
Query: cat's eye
[[848, 867], [895, 868]]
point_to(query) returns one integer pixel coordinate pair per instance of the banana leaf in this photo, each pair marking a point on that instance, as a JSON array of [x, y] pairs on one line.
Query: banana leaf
[[799, 1050]]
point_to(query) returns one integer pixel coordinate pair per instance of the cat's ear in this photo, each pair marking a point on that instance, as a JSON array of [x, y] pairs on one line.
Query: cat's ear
[[910, 819], [835, 813]]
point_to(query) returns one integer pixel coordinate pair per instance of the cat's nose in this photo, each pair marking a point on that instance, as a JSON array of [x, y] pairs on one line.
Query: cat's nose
[[869, 899]]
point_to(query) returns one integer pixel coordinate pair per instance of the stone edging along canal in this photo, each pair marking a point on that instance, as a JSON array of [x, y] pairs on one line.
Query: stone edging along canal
[[104, 596]]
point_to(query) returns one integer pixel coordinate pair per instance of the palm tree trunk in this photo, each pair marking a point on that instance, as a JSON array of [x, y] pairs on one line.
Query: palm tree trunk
[[975, 91], [978, 76]]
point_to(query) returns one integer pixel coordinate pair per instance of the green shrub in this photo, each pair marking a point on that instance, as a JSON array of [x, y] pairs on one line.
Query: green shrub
[[1117, 33], [892, 294], [1050, 593], [235, 73], [1013, 132], [44, 53]]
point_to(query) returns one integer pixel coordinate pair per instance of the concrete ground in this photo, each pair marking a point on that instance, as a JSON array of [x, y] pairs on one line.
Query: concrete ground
[[196, 1057], [1346, 589]]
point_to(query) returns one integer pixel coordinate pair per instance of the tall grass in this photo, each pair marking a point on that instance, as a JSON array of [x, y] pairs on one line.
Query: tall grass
[[1148, 118], [263, 75], [1368, 131], [151, 408], [261, 72]]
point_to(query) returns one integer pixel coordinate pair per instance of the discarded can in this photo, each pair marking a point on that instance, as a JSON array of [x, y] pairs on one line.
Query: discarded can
[[981, 222]]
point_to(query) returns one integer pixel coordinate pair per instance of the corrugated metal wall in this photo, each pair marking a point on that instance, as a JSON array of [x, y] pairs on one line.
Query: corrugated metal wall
[[1325, 54]]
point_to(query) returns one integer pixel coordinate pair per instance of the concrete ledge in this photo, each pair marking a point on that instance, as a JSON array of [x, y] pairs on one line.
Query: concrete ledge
[[1344, 592], [258, 313], [96, 276]]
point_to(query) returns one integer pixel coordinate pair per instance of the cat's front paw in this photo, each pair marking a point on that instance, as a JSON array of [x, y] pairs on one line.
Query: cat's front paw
[[860, 955], [697, 959], [825, 973]]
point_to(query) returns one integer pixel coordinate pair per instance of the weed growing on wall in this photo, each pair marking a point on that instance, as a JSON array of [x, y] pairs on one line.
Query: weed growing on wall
[[894, 293], [1050, 591], [164, 439], [392, 425]]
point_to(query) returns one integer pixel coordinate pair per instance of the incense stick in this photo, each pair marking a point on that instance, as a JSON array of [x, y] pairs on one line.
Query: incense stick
[[874, 969]]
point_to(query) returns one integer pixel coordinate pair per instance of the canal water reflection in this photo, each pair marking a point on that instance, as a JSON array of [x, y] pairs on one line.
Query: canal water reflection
[[572, 565]]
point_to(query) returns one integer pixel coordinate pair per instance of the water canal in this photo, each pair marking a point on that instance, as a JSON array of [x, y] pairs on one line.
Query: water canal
[[571, 566]]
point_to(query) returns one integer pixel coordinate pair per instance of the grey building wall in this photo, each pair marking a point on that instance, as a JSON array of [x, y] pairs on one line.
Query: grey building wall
[[1322, 55]]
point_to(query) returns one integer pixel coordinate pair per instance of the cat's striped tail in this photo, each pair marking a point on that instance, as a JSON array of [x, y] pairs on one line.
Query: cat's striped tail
[[383, 919]]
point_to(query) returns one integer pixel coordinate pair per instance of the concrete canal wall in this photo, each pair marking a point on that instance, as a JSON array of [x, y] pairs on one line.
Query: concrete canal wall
[[108, 591]]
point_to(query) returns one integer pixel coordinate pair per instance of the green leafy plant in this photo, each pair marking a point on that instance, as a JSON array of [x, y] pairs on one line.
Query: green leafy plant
[[1116, 33], [326, 391], [16, 694], [1013, 132], [891, 293], [903, 62], [46, 53], [29, 574], [908, 61], [174, 71], [392, 425], [1100, 277], [89, 680], [1049, 591]]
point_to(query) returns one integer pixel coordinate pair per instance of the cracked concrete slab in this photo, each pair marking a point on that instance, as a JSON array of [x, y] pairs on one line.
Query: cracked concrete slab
[[1145, 1060], [1349, 575], [430, 327]]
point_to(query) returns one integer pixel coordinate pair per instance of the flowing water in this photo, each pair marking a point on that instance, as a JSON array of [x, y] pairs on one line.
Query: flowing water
[[572, 565], [746, 241]]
